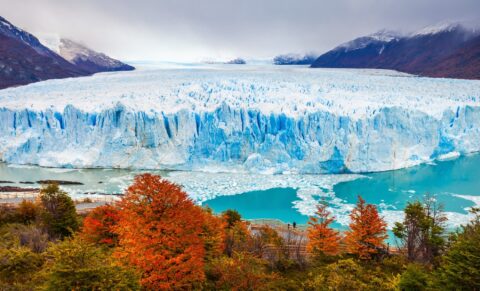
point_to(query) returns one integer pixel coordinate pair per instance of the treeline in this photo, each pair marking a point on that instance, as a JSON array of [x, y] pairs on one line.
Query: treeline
[[156, 238]]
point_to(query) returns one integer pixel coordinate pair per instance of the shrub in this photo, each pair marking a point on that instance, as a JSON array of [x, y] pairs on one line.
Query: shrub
[[33, 237], [242, 271], [78, 265], [18, 265], [27, 211], [415, 278]]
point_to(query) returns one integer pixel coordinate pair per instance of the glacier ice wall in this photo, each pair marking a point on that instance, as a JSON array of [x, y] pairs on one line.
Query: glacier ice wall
[[235, 139], [270, 119]]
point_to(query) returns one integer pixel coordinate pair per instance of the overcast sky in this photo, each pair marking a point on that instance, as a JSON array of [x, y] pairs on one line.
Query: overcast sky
[[181, 30]]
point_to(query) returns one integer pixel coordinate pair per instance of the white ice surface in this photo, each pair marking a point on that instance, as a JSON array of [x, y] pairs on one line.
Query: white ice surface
[[262, 119]]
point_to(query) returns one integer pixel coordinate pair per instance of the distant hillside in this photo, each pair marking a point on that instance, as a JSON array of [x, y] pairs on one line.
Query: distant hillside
[[24, 59], [84, 57], [463, 63], [294, 59], [437, 51], [237, 61]]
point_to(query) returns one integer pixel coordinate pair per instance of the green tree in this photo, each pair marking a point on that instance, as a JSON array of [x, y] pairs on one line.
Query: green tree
[[460, 267], [422, 231], [78, 265], [231, 217], [59, 215], [415, 278]]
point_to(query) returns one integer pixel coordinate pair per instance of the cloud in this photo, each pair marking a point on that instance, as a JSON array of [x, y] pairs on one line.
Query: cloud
[[192, 30]]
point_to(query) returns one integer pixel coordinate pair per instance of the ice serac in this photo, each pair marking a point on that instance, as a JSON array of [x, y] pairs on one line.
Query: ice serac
[[332, 123]]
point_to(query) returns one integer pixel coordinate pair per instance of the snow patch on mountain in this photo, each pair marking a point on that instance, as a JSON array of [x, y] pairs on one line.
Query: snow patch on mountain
[[382, 36], [82, 56], [438, 28]]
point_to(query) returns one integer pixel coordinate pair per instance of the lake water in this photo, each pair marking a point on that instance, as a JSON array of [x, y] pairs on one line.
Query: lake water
[[454, 183]]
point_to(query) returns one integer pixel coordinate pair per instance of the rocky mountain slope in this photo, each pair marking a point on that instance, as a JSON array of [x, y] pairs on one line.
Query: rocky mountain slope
[[84, 57], [418, 53], [24, 59]]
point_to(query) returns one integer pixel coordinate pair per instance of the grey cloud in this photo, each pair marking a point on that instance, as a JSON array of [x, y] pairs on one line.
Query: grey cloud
[[195, 29]]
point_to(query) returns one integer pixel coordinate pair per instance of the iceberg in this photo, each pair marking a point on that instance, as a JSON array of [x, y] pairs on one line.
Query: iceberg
[[259, 119]]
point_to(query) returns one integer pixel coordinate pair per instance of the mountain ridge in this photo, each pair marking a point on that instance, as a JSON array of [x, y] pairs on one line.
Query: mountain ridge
[[416, 53], [25, 59]]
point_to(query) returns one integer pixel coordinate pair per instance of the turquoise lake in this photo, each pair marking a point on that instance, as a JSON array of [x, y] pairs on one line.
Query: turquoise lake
[[454, 183], [445, 180]]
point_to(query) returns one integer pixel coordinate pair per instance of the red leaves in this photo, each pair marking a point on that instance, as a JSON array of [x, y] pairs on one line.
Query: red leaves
[[98, 225], [321, 238], [161, 232], [367, 230]]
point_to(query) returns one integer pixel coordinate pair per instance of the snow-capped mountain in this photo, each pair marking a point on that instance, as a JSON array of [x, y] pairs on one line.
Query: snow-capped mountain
[[269, 119], [438, 28], [381, 37], [9, 30], [23, 59], [84, 57], [415, 53], [294, 59]]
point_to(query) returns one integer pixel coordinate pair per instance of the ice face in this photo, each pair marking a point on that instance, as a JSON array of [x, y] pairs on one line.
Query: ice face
[[256, 119]]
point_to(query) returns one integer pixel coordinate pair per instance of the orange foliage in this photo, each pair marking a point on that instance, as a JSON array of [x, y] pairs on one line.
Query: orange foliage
[[322, 239], [161, 232], [214, 235], [28, 211], [98, 226], [367, 230]]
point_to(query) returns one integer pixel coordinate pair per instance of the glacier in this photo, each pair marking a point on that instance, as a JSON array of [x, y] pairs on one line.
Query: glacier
[[259, 119]]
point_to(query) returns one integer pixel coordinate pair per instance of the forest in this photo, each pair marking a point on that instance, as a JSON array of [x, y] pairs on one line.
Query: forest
[[156, 238]]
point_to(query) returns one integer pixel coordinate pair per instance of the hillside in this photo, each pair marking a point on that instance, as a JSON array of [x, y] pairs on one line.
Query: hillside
[[23, 59], [435, 51], [83, 57]]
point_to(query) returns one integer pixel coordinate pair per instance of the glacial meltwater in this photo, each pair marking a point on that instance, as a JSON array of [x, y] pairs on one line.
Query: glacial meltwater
[[290, 198]]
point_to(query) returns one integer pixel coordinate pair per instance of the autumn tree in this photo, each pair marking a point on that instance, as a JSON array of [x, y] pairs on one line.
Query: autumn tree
[[98, 226], [161, 233], [59, 215], [322, 239], [368, 231]]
